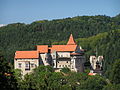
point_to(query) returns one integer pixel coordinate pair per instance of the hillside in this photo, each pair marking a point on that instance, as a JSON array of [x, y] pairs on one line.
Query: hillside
[[101, 33], [20, 36], [106, 44]]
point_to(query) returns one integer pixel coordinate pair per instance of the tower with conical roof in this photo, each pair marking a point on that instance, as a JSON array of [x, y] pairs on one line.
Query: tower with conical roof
[[71, 41]]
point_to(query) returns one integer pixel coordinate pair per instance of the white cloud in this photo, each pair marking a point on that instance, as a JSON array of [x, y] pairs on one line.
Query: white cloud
[[1, 25]]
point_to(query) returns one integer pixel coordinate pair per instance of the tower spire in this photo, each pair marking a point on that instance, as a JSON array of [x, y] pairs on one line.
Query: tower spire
[[71, 41]]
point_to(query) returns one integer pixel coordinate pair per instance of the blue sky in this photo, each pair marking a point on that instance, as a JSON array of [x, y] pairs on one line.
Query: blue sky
[[27, 11]]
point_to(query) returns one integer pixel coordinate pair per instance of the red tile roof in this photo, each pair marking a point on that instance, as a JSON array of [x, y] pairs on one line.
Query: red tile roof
[[71, 40], [63, 48], [42, 48], [71, 46], [26, 54]]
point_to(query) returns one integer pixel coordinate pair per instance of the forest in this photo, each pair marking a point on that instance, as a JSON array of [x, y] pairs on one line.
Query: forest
[[94, 33]]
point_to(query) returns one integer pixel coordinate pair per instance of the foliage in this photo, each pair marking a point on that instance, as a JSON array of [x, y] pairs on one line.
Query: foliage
[[65, 70], [115, 73], [47, 80], [18, 76], [93, 83], [112, 87], [7, 80], [19, 36], [101, 33]]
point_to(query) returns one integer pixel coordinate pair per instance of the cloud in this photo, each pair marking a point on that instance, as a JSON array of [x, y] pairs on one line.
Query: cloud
[[1, 25]]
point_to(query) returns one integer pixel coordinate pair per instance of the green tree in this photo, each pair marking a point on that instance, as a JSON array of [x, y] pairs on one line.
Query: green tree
[[112, 87], [18, 76], [115, 72], [93, 83], [7, 79], [65, 70]]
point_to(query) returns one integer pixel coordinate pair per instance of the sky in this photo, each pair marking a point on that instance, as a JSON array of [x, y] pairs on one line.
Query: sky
[[28, 11]]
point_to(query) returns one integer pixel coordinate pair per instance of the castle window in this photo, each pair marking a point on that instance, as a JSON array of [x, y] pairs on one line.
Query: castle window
[[53, 55], [32, 65], [27, 65], [72, 66], [62, 65], [19, 65], [53, 64], [67, 62], [58, 62], [59, 65], [68, 65]]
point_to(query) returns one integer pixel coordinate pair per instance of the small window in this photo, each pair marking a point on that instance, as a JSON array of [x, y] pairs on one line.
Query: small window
[[72, 67], [65, 65], [62, 65], [68, 65], [53, 64], [32, 65], [61, 55], [45, 59], [67, 62], [53, 55], [58, 62], [19, 65], [27, 65], [59, 65]]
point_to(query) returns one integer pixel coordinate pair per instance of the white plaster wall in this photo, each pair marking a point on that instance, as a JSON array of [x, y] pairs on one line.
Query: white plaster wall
[[63, 54], [43, 56], [93, 61], [22, 61]]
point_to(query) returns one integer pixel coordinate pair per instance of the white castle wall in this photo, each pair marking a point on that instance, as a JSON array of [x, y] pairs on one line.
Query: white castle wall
[[33, 62]]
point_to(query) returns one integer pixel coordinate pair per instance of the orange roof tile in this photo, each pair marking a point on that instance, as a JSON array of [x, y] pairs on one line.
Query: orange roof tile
[[26, 54], [91, 74], [63, 47], [71, 40], [42, 48]]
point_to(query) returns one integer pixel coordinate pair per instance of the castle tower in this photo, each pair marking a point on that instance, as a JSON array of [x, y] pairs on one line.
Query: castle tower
[[71, 41]]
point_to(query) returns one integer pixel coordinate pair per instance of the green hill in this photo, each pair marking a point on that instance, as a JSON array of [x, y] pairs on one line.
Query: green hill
[[91, 32]]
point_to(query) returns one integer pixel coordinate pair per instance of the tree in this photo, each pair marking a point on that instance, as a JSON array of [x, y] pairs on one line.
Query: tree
[[7, 79], [93, 83], [115, 72], [65, 70], [112, 87], [18, 76]]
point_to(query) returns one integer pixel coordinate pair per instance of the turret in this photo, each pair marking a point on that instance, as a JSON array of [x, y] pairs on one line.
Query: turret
[[71, 41]]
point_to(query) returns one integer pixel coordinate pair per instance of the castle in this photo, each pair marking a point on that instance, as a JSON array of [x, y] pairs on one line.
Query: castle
[[58, 56]]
